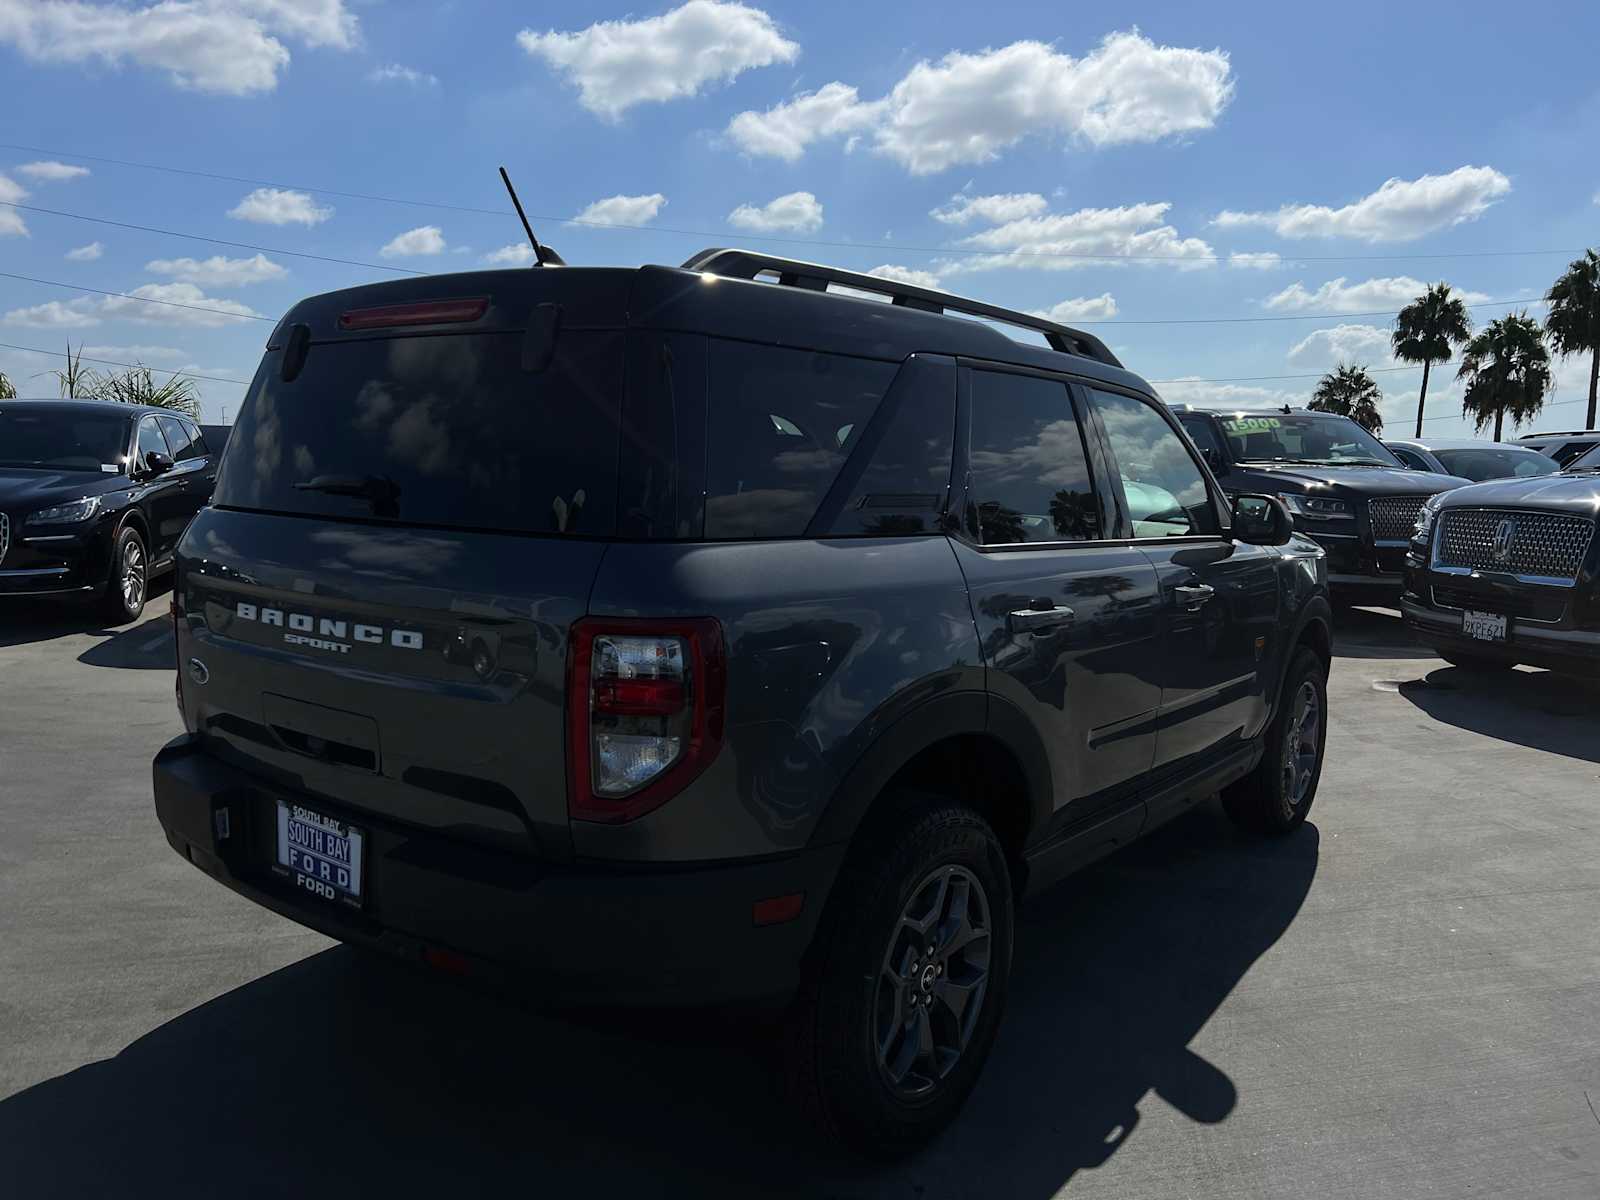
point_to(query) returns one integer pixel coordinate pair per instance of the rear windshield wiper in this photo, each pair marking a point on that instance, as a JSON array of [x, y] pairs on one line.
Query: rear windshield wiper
[[379, 491]]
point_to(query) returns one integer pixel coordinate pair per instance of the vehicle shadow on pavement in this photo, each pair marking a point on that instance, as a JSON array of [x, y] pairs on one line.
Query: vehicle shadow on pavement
[[147, 646], [1373, 633], [347, 1074], [24, 622], [1539, 709]]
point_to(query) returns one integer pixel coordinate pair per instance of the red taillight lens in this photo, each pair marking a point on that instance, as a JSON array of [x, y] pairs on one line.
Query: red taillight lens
[[427, 312], [644, 711]]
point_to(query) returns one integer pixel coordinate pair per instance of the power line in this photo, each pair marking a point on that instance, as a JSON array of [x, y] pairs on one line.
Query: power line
[[111, 362], [730, 236], [78, 287], [195, 237], [1297, 317]]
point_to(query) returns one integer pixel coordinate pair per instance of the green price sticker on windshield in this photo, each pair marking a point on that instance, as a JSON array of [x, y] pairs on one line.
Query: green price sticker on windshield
[[1252, 424]]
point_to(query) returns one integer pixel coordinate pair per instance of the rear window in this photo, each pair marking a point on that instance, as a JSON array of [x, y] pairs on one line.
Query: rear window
[[780, 423], [446, 431]]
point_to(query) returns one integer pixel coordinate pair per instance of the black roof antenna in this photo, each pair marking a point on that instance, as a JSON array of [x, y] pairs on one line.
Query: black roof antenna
[[542, 255]]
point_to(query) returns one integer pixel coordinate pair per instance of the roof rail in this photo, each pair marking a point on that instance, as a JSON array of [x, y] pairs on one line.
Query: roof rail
[[791, 272]]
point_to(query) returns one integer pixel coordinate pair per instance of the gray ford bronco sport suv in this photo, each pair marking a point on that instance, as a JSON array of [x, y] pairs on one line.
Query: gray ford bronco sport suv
[[739, 631]]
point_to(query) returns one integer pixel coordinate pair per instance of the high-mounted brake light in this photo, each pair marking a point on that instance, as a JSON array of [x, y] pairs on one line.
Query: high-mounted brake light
[[426, 312], [644, 713]]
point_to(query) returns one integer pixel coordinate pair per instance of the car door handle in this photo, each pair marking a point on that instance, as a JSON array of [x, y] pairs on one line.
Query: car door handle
[[1036, 620], [1193, 595]]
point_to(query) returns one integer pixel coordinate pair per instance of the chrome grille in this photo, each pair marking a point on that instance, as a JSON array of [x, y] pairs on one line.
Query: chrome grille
[[5, 535], [1537, 544], [1394, 517]]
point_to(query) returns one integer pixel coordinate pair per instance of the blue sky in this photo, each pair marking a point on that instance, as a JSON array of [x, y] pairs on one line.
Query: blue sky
[[1341, 153]]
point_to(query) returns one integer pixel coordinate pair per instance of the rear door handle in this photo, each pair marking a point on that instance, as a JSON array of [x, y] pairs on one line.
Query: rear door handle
[[1036, 620], [1193, 595]]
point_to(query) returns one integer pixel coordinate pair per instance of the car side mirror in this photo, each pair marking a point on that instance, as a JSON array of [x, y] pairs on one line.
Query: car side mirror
[[157, 463], [1261, 521]]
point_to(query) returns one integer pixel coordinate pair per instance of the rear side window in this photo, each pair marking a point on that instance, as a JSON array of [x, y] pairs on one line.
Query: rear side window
[[447, 430], [179, 437], [779, 425], [1029, 473]]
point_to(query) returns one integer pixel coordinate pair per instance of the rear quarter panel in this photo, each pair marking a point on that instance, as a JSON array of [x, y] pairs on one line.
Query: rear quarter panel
[[829, 642]]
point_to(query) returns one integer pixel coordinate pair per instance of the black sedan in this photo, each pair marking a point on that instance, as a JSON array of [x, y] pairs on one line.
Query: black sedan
[[93, 498]]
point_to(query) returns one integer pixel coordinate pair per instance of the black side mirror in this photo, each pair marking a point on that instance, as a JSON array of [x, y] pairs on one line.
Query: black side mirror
[[1261, 521], [157, 463]]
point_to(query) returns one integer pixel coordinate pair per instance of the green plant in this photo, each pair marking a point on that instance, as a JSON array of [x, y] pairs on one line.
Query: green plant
[[7, 390], [1574, 319], [137, 385], [75, 381], [1507, 373], [1350, 392], [1427, 330]]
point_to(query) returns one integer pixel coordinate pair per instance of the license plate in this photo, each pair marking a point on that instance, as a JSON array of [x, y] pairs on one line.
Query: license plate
[[319, 854], [1486, 627]]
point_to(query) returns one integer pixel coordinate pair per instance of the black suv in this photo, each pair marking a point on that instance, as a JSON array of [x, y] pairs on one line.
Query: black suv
[[674, 636], [1507, 572], [1344, 487], [93, 498]]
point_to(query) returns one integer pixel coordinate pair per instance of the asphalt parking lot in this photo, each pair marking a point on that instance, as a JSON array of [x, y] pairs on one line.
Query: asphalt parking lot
[[1402, 1000]]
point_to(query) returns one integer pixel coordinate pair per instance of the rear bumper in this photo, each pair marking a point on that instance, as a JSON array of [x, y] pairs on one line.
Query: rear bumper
[[573, 933], [1573, 651]]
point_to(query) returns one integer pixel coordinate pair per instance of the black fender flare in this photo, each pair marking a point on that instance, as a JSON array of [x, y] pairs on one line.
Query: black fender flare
[[1317, 611], [952, 714]]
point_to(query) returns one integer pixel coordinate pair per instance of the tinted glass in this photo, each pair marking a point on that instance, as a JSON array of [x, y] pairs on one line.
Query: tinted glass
[[904, 457], [780, 425], [1304, 437], [1029, 475], [201, 447], [1411, 458], [61, 441], [1496, 463], [151, 441], [1164, 488], [178, 437], [1569, 451], [447, 431], [1203, 434]]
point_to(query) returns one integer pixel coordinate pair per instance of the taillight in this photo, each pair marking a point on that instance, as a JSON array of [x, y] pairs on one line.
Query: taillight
[[644, 713]]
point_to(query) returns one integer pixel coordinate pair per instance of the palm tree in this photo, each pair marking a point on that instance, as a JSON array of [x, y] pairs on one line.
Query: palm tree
[[1507, 370], [1350, 392], [75, 381], [7, 391], [137, 385], [1574, 320], [1426, 332]]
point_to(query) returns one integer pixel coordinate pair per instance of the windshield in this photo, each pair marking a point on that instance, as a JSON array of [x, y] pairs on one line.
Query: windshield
[[62, 439], [448, 431], [1305, 437], [1500, 462]]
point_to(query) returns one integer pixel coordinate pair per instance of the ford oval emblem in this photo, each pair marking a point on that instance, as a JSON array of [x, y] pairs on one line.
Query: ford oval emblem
[[198, 671]]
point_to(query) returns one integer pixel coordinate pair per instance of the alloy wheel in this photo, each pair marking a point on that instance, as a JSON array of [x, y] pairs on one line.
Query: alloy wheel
[[133, 576], [1302, 744]]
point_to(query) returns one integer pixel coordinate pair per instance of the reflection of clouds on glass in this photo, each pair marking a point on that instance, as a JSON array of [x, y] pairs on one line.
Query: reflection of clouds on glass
[[807, 461], [373, 405], [304, 461], [267, 442], [756, 513], [417, 438], [1148, 451], [372, 552], [1054, 456]]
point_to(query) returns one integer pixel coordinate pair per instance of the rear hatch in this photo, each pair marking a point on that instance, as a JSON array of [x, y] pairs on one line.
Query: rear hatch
[[408, 518]]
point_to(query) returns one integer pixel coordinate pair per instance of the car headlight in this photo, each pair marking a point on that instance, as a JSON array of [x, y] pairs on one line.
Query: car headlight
[[1424, 525], [1324, 507], [72, 513]]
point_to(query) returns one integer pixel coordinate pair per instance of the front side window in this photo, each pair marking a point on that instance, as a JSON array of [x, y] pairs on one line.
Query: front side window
[[1411, 458], [1165, 490], [1030, 477], [151, 441]]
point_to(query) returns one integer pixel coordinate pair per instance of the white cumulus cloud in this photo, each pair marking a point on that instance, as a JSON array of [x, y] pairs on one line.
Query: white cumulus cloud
[[909, 275], [53, 314], [280, 206], [397, 73], [85, 253], [11, 222], [1341, 296], [51, 172], [176, 304], [617, 64], [798, 212], [1087, 237], [1400, 210], [1206, 394], [963, 209], [968, 108], [218, 271], [223, 46], [1085, 308], [517, 254], [622, 210], [1254, 260], [138, 353], [1364, 344], [423, 240]]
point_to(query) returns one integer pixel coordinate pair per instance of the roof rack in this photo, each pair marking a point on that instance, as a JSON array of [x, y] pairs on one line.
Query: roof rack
[[815, 277]]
